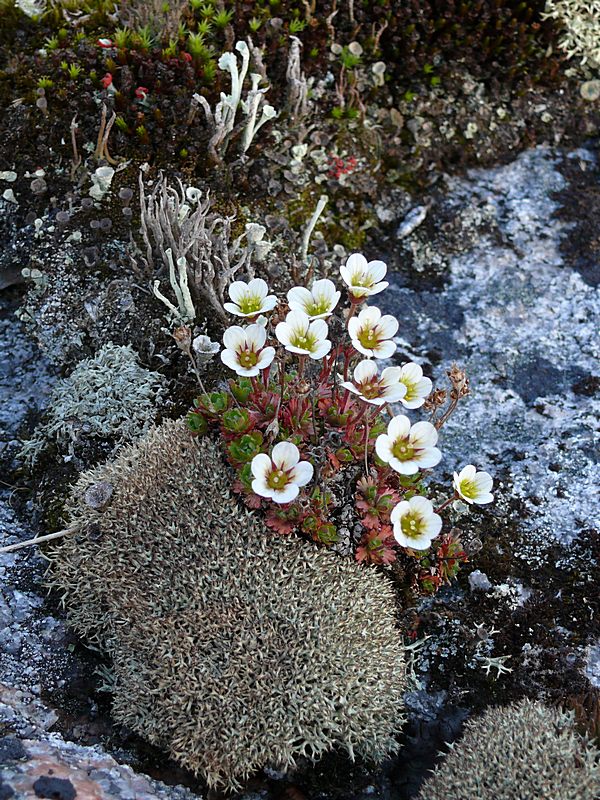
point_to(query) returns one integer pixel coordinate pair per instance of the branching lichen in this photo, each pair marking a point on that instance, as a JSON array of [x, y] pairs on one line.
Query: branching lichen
[[197, 240], [109, 396]]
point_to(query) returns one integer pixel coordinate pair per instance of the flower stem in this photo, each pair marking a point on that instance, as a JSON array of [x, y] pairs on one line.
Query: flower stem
[[367, 447], [446, 503]]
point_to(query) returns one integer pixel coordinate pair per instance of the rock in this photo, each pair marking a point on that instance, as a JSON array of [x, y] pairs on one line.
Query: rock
[[479, 581], [524, 324], [36, 763], [411, 221], [98, 495]]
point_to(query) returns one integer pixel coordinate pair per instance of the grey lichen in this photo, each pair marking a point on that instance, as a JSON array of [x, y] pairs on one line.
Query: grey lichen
[[109, 396], [525, 751], [581, 33], [232, 648], [179, 229]]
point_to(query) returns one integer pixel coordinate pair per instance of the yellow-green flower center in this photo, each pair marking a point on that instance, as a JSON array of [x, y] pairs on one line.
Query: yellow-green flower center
[[368, 338], [361, 280], [411, 524], [247, 358], [304, 341], [318, 306], [278, 479], [251, 304], [411, 390], [403, 450], [468, 489], [370, 390]]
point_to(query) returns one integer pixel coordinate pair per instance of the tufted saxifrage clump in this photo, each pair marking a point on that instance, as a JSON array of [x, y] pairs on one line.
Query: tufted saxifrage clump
[[525, 751], [231, 648]]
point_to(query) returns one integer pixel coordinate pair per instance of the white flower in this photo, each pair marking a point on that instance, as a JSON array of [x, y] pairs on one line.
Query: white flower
[[299, 335], [406, 448], [473, 486], [415, 523], [204, 348], [318, 303], [280, 476], [371, 333], [417, 386], [250, 299], [375, 389], [363, 278], [245, 350]]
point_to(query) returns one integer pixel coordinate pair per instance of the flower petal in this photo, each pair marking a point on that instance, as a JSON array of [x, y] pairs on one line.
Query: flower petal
[[421, 505], [237, 291], [349, 386], [258, 287], [484, 482], [412, 372], [233, 309], [319, 328], [369, 316], [384, 350], [393, 394], [399, 510], [261, 488], [388, 326], [261, 465], [256, 336], [391, 376], [321, 350], [265, 357], [376, 270], [398, 427], [404, 467], [283, 332], [268, 304], [467, 473], [379, 287], [299, 297], [302, 473], [354, 327], [383, 447], [429, 457], [423, 434], [230, 359], [285, 495], [285, 455], [365, 371], [356, 262], [234, 338], [482, 499]]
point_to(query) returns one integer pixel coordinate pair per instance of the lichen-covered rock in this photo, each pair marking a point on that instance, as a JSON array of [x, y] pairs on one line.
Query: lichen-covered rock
[[522, 752], [231, 648], [35, 763], [109, 396]]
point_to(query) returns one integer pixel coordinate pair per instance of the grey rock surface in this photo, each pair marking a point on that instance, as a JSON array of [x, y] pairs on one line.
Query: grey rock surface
[[41, 764], [526, 327], [35, 656]]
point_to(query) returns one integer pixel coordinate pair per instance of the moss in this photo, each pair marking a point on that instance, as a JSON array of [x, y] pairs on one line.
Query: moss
[[525, 751], [231, 649]]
